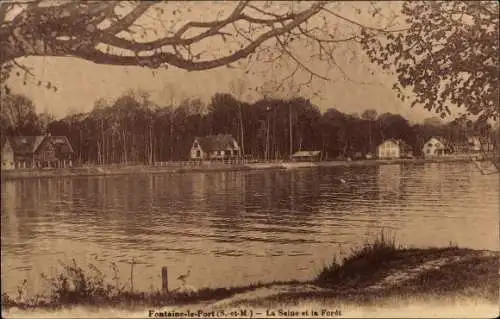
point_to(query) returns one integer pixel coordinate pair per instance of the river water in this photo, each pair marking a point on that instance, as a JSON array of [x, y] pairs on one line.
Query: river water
[[236, 228]]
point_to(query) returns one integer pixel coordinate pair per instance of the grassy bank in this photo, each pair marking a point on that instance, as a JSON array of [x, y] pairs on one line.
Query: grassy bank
[[215, 167], [374, 272]]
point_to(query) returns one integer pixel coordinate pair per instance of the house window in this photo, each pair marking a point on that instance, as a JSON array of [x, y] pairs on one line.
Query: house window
[[429, 145], [198, 153], [428, 151]]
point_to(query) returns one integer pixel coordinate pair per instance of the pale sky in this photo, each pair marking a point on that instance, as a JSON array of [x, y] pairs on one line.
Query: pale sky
[[80, 83]]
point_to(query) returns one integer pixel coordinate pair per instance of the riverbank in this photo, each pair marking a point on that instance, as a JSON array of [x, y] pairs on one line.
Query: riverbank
[[377, 276], [182, 167]]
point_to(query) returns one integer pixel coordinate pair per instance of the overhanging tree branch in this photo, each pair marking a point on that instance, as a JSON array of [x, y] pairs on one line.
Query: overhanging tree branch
[[76, 29]]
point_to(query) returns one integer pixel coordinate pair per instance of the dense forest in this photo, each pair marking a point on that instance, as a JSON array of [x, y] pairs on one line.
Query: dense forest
[[133, 129]]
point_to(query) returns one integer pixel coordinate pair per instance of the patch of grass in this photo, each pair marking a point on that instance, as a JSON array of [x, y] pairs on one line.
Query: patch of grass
[[474, 277], [370, 263], [360, 265], [77, 286]]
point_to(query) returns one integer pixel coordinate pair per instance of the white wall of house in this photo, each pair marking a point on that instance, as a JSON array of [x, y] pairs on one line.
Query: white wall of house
[[388, 149], [433, 147], [217, 154], [196, 151], [223, 154]]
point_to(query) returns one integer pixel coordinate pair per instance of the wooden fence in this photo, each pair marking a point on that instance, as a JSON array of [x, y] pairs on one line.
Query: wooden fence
[[210, 163], [179, 164]]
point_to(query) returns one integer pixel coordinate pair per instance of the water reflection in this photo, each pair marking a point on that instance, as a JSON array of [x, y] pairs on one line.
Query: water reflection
[[239, 227]]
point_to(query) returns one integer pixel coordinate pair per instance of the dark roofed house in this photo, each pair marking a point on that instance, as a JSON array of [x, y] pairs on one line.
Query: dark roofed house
[[308, 156], [211, 147], [36, 151]]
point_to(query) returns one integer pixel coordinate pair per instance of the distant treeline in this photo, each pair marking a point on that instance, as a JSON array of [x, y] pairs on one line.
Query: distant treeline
[[134, 129]]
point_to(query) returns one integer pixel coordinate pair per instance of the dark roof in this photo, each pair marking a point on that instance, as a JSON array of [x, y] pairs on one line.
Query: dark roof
[[218, 142], [61, 143], [26, 145]]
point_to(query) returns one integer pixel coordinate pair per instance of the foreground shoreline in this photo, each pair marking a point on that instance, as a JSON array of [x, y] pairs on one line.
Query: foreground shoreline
[[216, 167], [377, 276]]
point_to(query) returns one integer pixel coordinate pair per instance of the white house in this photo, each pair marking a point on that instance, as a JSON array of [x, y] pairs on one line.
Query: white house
[[393, 148], [435, 147], [221, 146]]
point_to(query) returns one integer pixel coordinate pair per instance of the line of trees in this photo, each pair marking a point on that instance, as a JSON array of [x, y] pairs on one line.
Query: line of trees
[[134, 129]]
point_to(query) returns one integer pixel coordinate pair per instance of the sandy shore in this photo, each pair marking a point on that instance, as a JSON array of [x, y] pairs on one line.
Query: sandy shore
[[146, 169]]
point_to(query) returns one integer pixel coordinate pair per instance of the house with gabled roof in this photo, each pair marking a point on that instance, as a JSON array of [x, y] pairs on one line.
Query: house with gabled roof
[[215, 147], [437, 146], [36, 152]]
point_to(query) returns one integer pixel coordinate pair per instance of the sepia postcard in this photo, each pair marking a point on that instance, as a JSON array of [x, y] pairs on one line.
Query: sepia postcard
[[249, 159]]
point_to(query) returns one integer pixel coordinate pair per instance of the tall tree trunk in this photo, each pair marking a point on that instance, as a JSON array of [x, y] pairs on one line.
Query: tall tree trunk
[[274, 135], [81, 148], [267, 139], [171, 137], [99, 151], [150, 142], [242, 135], [290, 130], [124, 159], [102, 143], [323, 147], [370, 136]]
